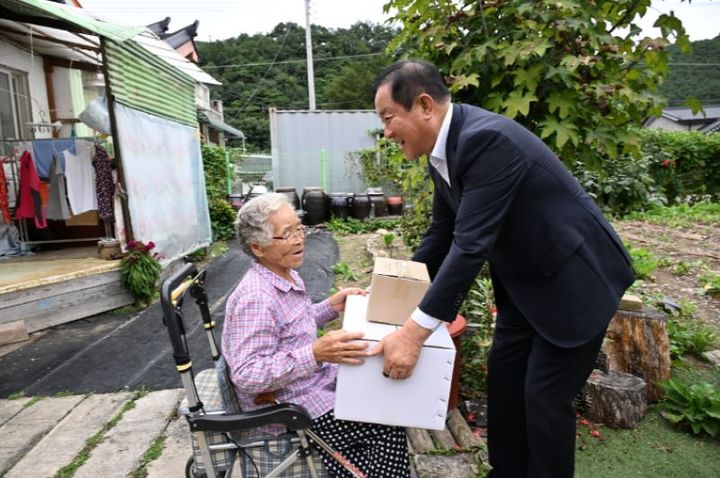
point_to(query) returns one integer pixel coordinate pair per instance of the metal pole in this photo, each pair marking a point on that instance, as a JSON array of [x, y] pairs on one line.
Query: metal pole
[[309, 54]]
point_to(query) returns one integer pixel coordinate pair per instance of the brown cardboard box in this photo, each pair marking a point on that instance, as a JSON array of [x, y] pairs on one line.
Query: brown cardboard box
[[396, 289]]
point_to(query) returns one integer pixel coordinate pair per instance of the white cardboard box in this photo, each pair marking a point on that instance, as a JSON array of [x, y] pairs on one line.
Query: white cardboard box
[[363, 394]]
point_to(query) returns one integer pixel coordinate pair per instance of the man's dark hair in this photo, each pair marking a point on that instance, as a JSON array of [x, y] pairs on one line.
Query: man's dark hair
[[409, 78]]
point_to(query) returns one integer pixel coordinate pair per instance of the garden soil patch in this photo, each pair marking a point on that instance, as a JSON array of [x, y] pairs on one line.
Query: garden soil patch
[[696, 246]]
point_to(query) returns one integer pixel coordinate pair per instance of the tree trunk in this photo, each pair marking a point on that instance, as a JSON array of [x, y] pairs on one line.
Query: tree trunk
[[616, 399], [639, 345]]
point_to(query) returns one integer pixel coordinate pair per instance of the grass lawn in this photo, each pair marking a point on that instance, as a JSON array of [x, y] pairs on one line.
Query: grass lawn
[[654, 449]]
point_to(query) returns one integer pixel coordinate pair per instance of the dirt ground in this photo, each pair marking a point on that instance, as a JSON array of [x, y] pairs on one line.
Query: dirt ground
[[696, 246]]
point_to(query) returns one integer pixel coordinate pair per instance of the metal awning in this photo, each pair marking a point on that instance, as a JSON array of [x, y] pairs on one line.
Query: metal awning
[[64, 17], [219, 125]]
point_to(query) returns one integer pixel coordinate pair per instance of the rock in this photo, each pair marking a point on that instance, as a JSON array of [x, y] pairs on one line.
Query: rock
[[713, 356], [462, 465], [630, 302]]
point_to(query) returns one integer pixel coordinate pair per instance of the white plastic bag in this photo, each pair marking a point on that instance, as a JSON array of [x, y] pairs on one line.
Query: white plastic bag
[[96, 115]]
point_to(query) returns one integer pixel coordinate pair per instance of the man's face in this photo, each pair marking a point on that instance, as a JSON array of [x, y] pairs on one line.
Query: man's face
[[409, 129]]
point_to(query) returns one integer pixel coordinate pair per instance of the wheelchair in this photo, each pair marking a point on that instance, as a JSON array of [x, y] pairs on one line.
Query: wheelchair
[[220, 432]]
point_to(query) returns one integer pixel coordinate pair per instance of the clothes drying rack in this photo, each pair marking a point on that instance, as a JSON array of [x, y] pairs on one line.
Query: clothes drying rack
[[10, 153]]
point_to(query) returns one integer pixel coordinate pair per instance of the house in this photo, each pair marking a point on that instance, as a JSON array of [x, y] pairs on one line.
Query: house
[[55, 60], [679, 118], [213, 129]]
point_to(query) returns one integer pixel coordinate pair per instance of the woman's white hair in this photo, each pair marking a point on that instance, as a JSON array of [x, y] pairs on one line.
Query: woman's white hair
[[252, 224]]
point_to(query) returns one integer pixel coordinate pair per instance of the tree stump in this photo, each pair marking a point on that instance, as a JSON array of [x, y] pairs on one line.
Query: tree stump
[[639, 345], [616, 399]]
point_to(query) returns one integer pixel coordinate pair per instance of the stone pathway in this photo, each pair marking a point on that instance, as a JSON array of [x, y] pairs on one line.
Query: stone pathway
[[111, 435]]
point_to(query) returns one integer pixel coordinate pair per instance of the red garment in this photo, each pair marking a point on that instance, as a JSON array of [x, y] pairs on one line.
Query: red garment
[[29, 204], [4, 207]]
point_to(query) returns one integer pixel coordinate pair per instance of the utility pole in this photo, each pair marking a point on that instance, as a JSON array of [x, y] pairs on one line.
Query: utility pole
[[309, 54]]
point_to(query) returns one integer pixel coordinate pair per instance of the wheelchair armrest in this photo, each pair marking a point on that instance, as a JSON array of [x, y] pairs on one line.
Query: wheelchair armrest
[[288, 414]]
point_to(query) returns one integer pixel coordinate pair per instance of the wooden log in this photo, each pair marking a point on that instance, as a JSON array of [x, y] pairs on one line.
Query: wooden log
[[616, 399], [420, 440], [461, 431], [443, 439], [639, 345]]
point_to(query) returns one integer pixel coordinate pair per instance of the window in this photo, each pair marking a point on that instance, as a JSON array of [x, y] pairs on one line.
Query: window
[[14, 105]]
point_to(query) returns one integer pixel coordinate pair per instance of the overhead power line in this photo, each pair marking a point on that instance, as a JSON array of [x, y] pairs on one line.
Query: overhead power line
[[329, 58]]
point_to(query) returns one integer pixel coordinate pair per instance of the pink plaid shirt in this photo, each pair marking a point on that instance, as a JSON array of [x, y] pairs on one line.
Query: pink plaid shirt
[[270, 326]]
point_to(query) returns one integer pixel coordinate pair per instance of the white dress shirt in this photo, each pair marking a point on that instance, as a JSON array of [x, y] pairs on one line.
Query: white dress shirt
[[438, 160]]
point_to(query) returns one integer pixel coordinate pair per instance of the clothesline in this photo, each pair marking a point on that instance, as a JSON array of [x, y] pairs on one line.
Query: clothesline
[[89, 187]]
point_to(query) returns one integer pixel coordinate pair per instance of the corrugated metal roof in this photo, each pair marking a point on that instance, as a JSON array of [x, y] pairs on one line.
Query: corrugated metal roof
[[158, 47], [143, 81], [73, 15], [680, 113]]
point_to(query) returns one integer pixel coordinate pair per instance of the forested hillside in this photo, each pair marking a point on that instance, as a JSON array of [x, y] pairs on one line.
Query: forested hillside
[[694, 74], [264, 70]]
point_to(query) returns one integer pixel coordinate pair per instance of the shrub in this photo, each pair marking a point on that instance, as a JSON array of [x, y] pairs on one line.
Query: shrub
[[222, 218], [694, 407], [478, 310], [140, 270], [689, 336], [644, 262]]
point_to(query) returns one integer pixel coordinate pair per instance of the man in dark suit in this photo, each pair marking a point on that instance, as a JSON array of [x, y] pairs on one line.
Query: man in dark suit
[[557, 266]]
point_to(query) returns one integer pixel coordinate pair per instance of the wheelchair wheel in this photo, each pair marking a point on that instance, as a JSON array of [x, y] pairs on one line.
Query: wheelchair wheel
[[191, 472]]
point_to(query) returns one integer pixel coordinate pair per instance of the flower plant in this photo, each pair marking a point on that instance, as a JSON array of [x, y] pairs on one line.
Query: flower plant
[[140, 270]]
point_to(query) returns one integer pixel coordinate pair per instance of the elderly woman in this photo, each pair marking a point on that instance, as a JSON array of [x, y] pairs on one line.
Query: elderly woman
[[270, 341]]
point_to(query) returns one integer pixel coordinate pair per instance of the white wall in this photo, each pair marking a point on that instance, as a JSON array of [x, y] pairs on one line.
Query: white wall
[[22, 60]]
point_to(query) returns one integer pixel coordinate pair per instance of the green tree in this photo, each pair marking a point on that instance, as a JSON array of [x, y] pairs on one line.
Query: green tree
[[575, 72], [264, 70]]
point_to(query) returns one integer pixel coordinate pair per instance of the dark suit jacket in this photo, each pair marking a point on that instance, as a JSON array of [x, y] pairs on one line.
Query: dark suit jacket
[[512, 202]]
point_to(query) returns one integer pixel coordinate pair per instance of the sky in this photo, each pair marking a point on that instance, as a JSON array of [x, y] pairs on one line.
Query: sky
[[221, 19]]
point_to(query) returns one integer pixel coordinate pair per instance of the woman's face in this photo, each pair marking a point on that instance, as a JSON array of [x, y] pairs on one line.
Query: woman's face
[[285, 251]]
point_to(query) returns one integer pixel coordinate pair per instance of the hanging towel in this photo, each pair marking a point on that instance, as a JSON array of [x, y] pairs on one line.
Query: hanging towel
[[57, 204], [44, 194], [80, 177], [104, 184], [28, 202], [4, 206], [43, 151]]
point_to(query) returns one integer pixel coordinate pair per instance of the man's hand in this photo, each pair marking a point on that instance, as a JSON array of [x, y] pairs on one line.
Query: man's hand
[[340, 346], [401, 349]]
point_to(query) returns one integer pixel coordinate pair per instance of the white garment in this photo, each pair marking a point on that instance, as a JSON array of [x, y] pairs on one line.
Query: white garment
[[80, 177]]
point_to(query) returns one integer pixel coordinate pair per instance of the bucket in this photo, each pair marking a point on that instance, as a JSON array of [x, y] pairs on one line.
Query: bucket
[[340, 205], [314, 201], [292, 196], [456, 328], [395, 205], [361, 206]]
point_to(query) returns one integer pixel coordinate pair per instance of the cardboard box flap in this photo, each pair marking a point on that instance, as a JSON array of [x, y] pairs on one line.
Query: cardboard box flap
[[402, 269], [355, 321]]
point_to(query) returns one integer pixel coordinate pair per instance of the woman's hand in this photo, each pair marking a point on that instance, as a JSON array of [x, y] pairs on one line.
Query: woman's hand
[[337, 300], [340, 346]]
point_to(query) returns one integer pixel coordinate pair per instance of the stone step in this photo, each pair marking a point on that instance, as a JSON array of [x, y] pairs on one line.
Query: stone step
[[124, 444], [175, 453], [21, 432], [60, 446], [10, 408]]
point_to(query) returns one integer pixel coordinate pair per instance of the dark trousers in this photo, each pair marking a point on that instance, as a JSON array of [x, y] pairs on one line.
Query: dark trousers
[[531, 386]]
